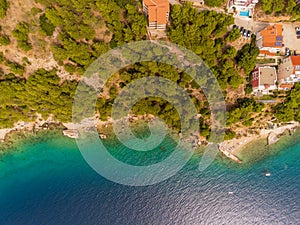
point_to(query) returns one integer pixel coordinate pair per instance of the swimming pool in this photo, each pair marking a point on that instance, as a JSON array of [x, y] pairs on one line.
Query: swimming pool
[[245, 13]]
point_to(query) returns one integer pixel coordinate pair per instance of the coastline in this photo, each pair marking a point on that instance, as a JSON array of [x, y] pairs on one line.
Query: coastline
[[30, 127], [231, 149], [71, 130]]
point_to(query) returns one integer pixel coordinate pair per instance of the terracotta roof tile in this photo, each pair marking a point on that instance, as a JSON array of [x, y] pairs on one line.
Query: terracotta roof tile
[[266, 52], [149, 2], [295, 60], [272, 36], [157, 10], [152, 13], [155, 2]]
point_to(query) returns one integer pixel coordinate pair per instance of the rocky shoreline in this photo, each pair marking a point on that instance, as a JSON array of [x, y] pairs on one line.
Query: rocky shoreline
[[32, 127], [229, 148]]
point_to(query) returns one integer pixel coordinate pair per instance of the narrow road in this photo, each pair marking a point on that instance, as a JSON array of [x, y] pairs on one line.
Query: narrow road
[[250, 24]]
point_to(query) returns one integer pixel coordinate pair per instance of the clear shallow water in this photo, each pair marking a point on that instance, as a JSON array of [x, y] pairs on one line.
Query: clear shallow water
[[48, 182]]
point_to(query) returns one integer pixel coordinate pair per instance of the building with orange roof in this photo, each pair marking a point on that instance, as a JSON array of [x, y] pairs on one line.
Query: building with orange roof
[[158, 13], [289, 71], [270, 40]]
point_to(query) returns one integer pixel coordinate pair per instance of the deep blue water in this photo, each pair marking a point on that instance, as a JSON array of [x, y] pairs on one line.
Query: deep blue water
[[48, 182]]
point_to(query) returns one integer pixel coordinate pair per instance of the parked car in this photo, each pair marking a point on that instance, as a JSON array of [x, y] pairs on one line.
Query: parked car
[[287, 52], [245, 33], [298, 32], [298, 37], [242, 30], [248, 34], [297, 28]]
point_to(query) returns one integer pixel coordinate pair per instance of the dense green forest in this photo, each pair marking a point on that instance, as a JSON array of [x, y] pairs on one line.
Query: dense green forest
[[206, 34], [21, 99], [288, 7], [214, 3], [79, 21], [151, 105], [289, 110], [87, 29], [244, 112]]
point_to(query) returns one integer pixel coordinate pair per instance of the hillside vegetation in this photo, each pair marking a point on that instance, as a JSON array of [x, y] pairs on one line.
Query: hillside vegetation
[[288, 7], [72, 34]]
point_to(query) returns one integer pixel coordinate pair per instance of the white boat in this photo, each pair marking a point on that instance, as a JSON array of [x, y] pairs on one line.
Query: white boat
[[268, 174]]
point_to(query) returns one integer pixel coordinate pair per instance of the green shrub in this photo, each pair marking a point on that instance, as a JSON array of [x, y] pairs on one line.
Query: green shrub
[[25, 60], [213, 3], [233, 35], [70, 68], [229, 134], [34, 11], [21, 34], [3, 8], [46, 25], [4, 40], [16, 68], [2, 58]]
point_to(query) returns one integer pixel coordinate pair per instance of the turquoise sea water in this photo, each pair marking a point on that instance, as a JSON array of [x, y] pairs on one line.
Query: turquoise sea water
[[47, 181]]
